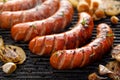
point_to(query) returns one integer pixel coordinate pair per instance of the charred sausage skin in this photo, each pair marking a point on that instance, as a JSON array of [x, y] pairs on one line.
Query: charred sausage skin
[[39, 12], [75, 58], [73, 38], [55, 23]]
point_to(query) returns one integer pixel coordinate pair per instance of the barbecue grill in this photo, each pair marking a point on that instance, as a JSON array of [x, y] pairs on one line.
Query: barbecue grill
[[38, 67]]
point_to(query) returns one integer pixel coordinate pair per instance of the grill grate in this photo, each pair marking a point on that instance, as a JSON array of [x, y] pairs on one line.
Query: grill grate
[[37, 67]]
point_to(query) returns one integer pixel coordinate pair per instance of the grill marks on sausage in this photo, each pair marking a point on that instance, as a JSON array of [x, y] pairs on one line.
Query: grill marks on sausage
[[70, 40], [86, 54], [39, 12], [39, 46], [67, 40], [58, 41], [50, 25], [49, 44]]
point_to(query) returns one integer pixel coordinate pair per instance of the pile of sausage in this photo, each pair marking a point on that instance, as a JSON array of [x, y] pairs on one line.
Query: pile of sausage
[[37, 21]]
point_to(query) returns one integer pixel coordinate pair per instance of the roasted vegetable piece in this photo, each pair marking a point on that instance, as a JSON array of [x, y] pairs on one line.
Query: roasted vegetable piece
[[112, 70], [116, 53], [114, 66], [9, 67], [94, 76], [104, 70], [74, 3], [114, 19], [113, 8], [9, 55], [12, 53], [100, 13], [83, 6]]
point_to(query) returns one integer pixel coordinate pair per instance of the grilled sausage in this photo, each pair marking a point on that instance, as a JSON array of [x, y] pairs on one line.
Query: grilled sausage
[[55, 23], [68, 40], [16, 5], [74, 58], [46, 9]]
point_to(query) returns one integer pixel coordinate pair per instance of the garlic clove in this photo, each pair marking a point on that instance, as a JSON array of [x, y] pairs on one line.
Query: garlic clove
[[116, 52], [94, 76], [114, 19], [104, 70], [9, 67]]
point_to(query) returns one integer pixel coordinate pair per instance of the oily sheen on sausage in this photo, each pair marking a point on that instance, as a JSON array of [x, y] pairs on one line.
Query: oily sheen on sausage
[[39, 12], [55, 23], [73, 38], [75, 58], [17, 5]]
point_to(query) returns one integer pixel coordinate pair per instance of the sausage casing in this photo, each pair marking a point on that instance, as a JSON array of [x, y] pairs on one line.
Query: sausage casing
[[73, 38], [17, 5], [55, 23], [75, 58], [39, 12]]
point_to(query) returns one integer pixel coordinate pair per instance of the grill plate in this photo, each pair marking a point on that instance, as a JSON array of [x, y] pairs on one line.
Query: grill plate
[[37, 67]]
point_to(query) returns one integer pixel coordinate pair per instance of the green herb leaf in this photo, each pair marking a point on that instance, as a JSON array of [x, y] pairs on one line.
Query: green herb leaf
[[110, 35], [4, 1], [58, 53], [62, 14], [33, 26], [83, 22]]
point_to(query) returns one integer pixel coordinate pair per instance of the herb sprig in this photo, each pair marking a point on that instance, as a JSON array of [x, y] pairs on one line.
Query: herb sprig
[[110, 35], [33, 26], [83, 21]]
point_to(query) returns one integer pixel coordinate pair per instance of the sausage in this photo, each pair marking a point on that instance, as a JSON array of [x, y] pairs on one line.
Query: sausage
[[73, 38], [55, 23], [75, 58], [17, 5], [46, 9]]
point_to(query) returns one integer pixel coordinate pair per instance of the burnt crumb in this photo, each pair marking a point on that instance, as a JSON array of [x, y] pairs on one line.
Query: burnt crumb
[[14, 49], [9, 47]]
